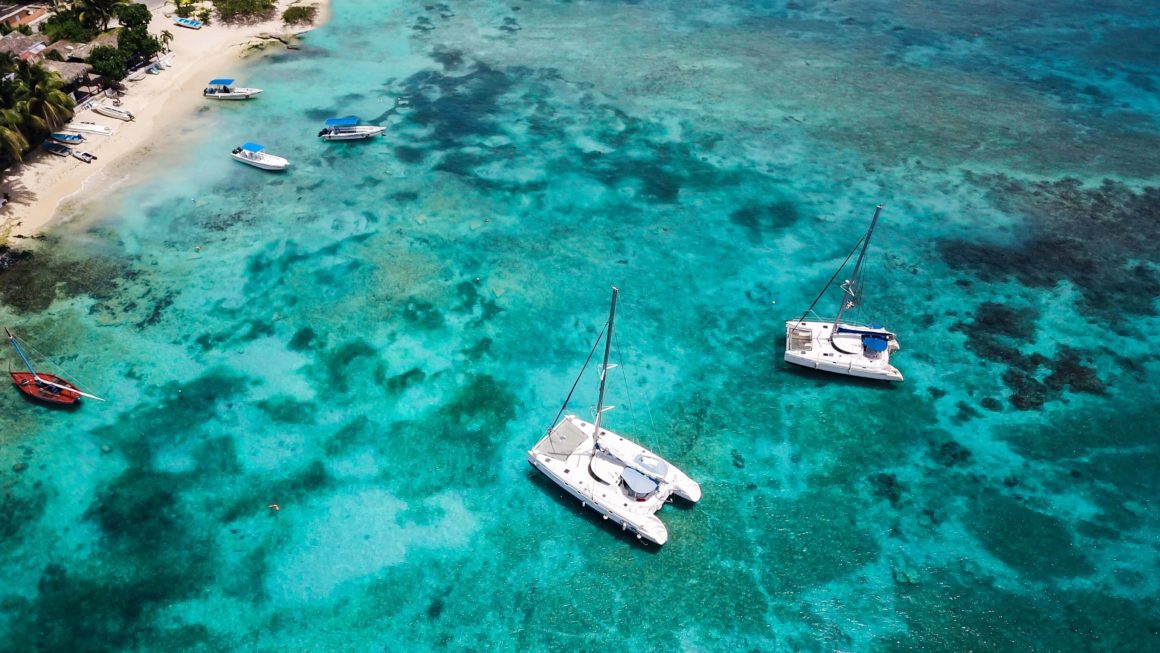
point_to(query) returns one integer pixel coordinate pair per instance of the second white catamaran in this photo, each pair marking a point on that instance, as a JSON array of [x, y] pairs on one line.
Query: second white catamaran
[[614, 476]]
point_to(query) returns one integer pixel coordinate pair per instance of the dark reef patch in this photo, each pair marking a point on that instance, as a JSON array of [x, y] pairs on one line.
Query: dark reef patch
[[998, 333], [17, 510], [1097, 238], [996, 516], [32, 282], [766, 218], [886, 486]]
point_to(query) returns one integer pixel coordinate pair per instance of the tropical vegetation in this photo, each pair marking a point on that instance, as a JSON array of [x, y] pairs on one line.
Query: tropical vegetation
[[81, 20], [33, 104], [299, 14]]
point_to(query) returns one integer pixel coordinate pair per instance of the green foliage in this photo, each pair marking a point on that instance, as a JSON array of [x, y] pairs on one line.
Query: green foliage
[[233, 11], [32, 104], [53, 55], [66, 25], [137, 44], [98, 13], [204, 16], [23, 29], [184, 8], [134, 15], [109, 62], [299, 15]]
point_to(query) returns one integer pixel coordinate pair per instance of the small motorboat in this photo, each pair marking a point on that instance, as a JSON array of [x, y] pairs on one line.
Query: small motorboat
[[187, 22], [87, 157], [120, 113], [67, 139], [56, 148], [89, 128], [155, 69], [348, 129], [255, 155], [166, 61], [223, 89]]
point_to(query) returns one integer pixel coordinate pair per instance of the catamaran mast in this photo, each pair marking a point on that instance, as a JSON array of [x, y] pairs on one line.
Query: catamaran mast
[[852, 288], [604, 365]]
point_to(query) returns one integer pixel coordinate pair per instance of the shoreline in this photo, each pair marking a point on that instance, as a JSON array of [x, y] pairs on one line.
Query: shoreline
[[43, 184]]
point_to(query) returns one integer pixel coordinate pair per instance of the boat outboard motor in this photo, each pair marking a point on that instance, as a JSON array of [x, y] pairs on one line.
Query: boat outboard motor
[[323, 132]]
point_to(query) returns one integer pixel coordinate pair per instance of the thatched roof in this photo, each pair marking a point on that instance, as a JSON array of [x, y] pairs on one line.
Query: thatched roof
[[16, 44], [70, 73]]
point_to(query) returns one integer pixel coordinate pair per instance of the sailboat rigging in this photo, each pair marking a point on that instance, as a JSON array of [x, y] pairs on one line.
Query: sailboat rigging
[[847, 347], [43, 386], [618, 478]]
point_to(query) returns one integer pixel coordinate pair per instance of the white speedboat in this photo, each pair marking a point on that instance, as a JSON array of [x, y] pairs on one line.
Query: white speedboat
[[844, 347], [348, 129], [89, 128], [616, 477], [120, 113], [223, 89], [255, 155]]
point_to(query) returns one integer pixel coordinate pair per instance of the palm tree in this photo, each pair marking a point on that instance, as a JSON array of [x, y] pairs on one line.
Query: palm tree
[[12, 141], [98, 12], [43, 104], [165, 38]]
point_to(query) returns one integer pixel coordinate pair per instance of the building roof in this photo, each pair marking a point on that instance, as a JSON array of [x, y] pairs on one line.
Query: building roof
[[20, 45], [70, 73]]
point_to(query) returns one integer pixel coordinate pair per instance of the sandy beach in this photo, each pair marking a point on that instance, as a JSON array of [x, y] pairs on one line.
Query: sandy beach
[[43, 182]]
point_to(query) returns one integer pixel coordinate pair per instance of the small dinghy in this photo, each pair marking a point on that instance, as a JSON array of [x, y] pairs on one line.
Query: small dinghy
[[255, 155], [68, 139], [89, 128], [87, 157], [112, 111], [190, 23], [56, 148]]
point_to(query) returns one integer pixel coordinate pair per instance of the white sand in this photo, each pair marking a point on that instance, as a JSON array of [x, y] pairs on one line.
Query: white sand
[[40, 184]]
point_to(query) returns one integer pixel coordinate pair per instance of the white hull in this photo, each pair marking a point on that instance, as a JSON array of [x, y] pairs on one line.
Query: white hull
[[261, 160], [113, 112], [234, 94], [88, 128], [356, 133], [809, 344], [594, 474]]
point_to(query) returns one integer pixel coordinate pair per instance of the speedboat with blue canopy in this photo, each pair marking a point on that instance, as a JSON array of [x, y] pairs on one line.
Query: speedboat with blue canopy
[[614, 476], [256, 155], [348, 129], [224, 89], [844, 347]]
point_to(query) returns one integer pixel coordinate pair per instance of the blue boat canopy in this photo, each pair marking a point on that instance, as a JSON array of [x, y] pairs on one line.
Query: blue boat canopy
[[221, 82], [874, 343], [252, 147], [348, 121]]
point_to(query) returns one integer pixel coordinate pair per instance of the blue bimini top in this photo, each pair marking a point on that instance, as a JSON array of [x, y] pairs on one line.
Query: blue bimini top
[[252, 147], [221, 82], [348, 121]]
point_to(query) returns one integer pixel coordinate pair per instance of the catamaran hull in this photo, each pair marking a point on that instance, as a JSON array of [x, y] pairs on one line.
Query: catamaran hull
[[27, 384], [808, 344], [580, 473], [651, 528]]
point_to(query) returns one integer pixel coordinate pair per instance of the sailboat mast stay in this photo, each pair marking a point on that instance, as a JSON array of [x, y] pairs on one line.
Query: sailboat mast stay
[[604, 365], [852, 288], [16, 346]]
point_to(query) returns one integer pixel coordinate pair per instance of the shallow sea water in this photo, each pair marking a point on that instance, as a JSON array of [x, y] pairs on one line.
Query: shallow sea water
[[373, 340]]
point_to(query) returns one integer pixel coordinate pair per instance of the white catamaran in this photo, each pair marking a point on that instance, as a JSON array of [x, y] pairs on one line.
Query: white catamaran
[[618, 478], [849, 348]]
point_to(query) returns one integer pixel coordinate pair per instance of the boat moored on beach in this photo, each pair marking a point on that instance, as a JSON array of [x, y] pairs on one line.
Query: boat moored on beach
[[348, 129], [255, 155], [223, 89], [56, 148], [67, 139], [191, 23], [89, 128], [86, 157], [112, 111]]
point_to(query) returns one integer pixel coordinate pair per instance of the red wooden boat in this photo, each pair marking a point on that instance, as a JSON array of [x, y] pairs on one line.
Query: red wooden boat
[[42, 386]]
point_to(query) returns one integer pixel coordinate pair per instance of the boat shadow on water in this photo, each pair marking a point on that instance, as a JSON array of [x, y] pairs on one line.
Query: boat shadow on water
[[561, 497]]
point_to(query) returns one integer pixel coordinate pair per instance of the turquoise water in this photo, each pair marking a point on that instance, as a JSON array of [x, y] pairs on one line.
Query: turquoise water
[[373, 340]]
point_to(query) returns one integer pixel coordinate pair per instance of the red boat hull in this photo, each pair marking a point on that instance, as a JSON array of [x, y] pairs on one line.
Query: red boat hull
[[46, 393]]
